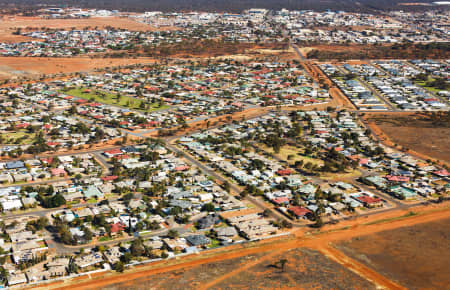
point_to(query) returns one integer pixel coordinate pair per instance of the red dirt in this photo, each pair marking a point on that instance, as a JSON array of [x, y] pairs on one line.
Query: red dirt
[[414, 256], [7, 26], [407, 131], [32, 66]]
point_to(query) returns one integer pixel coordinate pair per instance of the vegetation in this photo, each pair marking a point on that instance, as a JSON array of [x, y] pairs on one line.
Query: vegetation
[[111, 99], [404, 50]]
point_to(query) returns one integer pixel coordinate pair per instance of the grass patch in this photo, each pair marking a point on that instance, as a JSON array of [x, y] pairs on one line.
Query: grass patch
[[386, 220], [91, 200], [19, 137], [104, 239], [111, 99], [214, 243], [295, 154], [423, 84]]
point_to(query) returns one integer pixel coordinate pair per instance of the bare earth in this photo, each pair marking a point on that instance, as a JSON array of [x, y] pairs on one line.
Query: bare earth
[[305, 269], [11, 67], [414, 133], [10, 24], [416, 257]]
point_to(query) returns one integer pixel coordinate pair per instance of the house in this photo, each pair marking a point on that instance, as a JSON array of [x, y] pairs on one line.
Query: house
[[175, 244], [198, 240], [116, 228], [113, 152], [18, 177], [6, 178], [93, 192], [11, 204], [112, 255], [369, 201], [300, 212], [88, 260], [15, 165], [16, 278], [58, 172], [208, 221], [225, 233]]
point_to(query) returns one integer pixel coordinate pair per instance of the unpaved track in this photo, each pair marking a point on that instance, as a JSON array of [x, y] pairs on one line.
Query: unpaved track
[[359, 268]]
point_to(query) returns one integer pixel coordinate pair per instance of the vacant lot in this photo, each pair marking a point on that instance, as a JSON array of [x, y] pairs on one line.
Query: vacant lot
[[18, 137], [417, 256], [304, 269], [417, 132], [111, 99], [13, 67], [190, 278], [10, 24]]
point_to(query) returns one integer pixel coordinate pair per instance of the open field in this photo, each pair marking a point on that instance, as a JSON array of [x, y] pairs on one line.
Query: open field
[[291, 154], [416, 257], [416, 132], [304, 269], [190, 278], [215, 121], [19, 137], [10, 24], [111, 99], [14, 67]]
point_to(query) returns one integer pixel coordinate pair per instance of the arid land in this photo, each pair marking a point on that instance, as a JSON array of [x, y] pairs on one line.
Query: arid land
[[412, 131]]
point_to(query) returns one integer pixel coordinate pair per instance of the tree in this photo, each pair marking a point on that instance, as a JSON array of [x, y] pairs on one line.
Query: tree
[[126, 258], [282, 263], [173, 234], [226, 186], [87, 234], [137, 248], [72, 267], [209, 207], [119, 266]]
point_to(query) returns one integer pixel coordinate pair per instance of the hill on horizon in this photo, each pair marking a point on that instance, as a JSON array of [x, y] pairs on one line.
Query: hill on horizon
[[223, 6]]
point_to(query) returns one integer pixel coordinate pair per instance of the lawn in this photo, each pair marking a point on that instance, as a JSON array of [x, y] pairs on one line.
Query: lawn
[[214, 243], [340, 176], [18, 137], [431, 89], [111, 99], [287, 150]]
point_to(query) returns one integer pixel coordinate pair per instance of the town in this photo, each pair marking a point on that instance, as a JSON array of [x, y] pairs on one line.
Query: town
[[108, 169]]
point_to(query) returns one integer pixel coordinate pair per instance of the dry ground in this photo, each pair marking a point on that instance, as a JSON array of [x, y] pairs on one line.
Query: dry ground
[[13, 67], [10, 24], [417, 257], [413, 132], [305, 269]]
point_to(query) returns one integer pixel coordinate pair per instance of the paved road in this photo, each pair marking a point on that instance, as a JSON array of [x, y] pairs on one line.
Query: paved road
[[236, 189], [370, 88]]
